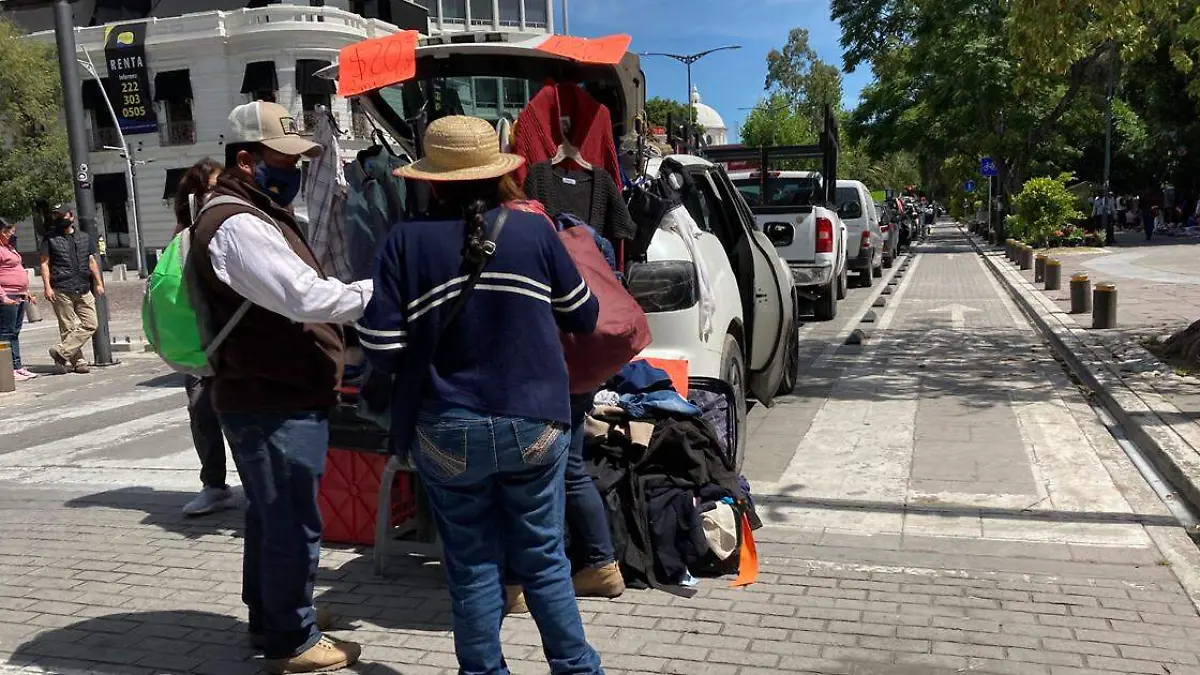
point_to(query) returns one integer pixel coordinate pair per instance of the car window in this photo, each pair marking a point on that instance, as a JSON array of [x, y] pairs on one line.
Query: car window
[[849, 195], [780, 191]]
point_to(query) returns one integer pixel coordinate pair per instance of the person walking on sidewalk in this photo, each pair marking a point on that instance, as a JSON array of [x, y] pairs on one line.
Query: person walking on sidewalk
[[14, 293], [276, 377], [215, 494], [481, 395], [70, 274]]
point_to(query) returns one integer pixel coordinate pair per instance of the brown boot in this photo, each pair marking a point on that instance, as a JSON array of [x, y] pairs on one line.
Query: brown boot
[[81, 367], [515, 600], [600, 582], [326, 656], [325, 620]]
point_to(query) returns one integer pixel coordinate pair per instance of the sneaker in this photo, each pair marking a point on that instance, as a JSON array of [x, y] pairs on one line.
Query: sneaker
[[22, 377], [514, 597], [600, 582], [60, 361], [210, 500], [325, 621], [326, 656], [81, 367], [24, 372]]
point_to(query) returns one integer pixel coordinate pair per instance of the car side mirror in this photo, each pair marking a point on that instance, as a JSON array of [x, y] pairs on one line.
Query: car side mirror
[[850, 210], [780, 234]]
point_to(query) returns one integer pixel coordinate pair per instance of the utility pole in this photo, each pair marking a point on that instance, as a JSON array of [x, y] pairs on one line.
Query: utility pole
[[1110, 236], [77, 141], [566, 20]]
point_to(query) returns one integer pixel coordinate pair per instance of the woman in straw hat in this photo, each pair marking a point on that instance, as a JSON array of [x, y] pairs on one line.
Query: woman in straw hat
[[481, 398]]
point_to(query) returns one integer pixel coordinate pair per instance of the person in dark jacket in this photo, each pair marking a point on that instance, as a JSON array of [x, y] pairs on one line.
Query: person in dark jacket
[[72, 280], [483, 403], [206, 427]]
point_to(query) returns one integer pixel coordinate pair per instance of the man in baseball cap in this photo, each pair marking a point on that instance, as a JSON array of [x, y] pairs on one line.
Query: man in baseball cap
[[275, 376]]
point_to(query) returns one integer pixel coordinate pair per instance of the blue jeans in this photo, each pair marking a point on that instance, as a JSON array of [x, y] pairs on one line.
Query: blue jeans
[[587, 521], [280, 458], [497, 491], [11, 318]]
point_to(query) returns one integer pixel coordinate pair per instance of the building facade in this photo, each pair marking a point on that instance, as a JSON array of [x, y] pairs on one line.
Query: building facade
[[200, 65]]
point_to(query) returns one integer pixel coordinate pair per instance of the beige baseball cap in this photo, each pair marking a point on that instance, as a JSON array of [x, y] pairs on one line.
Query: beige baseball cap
[[272, 125]]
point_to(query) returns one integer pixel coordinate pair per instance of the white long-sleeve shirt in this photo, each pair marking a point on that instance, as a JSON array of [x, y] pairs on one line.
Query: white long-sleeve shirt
[[252, 257]]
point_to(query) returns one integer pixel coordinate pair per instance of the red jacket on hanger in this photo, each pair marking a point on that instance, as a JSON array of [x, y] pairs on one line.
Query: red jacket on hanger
[[539, 129]]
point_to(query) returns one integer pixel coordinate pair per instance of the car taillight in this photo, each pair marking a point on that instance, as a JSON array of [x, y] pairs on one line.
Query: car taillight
[[884, 227], [866, 239], [824, 235], [663, 286]]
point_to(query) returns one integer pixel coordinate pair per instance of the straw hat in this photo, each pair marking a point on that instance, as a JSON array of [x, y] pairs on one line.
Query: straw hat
[[461, 148]]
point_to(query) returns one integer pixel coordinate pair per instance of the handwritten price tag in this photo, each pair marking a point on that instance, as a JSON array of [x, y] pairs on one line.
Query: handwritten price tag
[[377, 63], [602, 51]]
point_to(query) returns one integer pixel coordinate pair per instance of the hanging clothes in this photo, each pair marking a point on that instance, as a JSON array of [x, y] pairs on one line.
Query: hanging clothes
[[326, 198], [590, 195], [680, 221], [375, 204], [540, 130]]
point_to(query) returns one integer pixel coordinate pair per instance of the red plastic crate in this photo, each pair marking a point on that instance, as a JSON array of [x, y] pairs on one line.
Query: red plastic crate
[[349, 496]]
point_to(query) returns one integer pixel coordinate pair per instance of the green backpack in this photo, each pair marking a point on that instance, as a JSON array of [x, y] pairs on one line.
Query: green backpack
[[176, 316]]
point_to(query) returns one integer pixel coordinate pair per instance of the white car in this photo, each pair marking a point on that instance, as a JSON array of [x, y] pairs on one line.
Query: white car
[[863, 236], [752, 341]]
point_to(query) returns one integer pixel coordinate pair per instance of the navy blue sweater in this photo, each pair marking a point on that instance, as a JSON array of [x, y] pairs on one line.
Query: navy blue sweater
[[503, 356]]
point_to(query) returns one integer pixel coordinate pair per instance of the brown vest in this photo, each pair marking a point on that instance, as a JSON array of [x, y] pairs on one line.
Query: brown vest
[[269, 363]]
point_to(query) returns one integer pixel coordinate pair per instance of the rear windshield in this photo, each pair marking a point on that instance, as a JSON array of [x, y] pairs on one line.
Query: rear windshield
[[492, 98], [847, 195], [780, 191]]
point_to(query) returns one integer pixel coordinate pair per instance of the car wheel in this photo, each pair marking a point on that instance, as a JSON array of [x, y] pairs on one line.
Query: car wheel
[[733, 371], [866, 279], [843, 286], [791, 367], [877, 272], [826, 305], [888, 261]]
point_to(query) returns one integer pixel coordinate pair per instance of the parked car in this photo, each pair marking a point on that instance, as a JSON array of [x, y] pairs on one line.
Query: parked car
[[796, 210], [863, 236], [753, 343], [889, 224]]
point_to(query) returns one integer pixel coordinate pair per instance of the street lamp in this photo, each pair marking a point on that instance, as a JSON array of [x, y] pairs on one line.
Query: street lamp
[[688, 60], [130, 167]]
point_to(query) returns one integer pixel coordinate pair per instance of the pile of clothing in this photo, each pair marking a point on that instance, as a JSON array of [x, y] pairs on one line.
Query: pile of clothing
[[675, 502]]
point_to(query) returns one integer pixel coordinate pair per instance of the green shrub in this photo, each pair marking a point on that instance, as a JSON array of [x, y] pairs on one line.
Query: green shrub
[[1043, 207]]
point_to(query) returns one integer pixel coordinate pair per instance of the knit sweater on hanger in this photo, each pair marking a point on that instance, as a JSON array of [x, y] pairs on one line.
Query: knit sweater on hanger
[[591, 196]]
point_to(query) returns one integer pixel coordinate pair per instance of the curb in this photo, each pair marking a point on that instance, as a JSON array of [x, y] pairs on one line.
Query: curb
[[1145, 415]]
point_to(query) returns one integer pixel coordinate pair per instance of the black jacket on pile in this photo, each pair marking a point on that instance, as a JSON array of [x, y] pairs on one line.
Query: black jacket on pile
[[650, 496]]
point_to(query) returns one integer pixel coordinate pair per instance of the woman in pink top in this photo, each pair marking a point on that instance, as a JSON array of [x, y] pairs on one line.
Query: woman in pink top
[[14, 293]]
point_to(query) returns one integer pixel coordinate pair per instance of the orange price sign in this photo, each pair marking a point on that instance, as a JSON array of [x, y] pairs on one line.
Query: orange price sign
[[603, 51], [377, 63]]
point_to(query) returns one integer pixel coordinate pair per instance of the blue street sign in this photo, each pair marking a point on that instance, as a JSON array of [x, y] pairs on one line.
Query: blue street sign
[[987, 167], [969, 186]]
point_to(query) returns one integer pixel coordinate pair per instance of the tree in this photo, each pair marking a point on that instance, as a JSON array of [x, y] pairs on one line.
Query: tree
[[658, 109], [34, 162], [804, 79], [775, 121]]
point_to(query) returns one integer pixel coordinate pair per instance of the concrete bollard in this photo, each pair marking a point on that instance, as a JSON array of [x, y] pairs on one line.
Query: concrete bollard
[[1053, 274], [1026, 257], [32, 313], [1104, 306], [1081, 294], [1039, 268], [7, 381], [1009, 246]]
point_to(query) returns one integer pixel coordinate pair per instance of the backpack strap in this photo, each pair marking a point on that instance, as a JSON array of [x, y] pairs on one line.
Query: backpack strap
[[223, 334]]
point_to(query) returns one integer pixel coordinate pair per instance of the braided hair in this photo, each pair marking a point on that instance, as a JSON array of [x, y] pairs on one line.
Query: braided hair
[[471, 200]]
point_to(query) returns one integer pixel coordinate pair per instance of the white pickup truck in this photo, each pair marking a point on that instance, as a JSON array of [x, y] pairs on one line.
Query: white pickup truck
[[795, 210]]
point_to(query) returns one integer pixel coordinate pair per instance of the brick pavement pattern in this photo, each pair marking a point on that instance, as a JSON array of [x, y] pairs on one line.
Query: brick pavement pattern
[[1005, 534]]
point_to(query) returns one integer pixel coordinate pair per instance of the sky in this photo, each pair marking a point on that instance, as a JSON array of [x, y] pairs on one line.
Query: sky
[[727, 80]]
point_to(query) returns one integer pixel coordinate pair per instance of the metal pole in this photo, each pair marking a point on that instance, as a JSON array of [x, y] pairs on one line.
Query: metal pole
[[990, 229], [130, 170], [1110, 236], [566, 21], [77, 141]]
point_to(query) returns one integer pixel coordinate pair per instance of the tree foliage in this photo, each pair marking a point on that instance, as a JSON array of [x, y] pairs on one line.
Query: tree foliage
[[807, 82], [775, 121], [34, 163], [658, 109], [1042, 207]]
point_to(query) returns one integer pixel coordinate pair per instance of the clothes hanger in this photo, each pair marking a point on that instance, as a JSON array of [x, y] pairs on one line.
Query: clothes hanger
[[567, 151]]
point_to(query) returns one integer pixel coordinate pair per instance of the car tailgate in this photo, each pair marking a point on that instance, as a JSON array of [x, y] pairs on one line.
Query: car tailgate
[[803, 247]]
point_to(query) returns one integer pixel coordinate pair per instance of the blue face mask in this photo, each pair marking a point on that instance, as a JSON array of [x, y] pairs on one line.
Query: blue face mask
[[282, 185]]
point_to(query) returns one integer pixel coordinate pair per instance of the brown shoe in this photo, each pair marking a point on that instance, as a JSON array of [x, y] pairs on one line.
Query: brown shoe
[[326, 656], [60, 361], [81, 367], [325, 621], [515, 597], [600, 582]]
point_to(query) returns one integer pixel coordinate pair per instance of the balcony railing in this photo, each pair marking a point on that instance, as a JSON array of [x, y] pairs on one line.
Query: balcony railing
[[104, 137], [177, 133]]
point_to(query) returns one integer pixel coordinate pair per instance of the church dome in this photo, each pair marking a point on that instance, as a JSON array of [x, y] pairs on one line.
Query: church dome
[[714, 125]]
